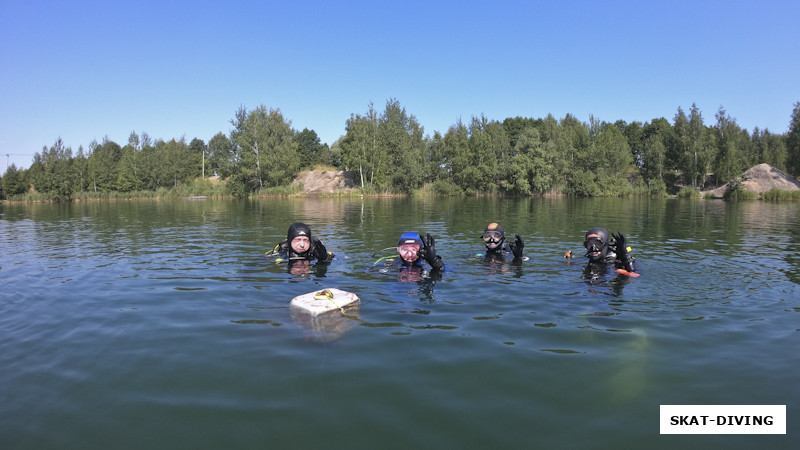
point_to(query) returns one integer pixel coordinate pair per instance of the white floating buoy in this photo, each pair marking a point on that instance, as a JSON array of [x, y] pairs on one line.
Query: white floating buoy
[[325, 300]]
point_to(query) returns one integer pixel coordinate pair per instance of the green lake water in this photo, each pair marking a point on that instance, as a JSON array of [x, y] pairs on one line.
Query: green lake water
[[160, 324]]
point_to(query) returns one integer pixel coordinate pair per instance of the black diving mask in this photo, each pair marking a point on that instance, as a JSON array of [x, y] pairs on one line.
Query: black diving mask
[[492, 237], [593, 245]]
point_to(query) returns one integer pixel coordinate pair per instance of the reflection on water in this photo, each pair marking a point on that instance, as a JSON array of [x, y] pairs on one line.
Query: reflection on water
[[329, 326], [136, 324]]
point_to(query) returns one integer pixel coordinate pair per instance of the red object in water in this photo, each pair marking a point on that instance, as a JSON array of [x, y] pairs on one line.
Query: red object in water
[[627, 273]]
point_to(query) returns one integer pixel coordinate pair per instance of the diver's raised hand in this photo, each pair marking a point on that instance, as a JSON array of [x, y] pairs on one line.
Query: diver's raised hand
[[517, 246], [428, 252], [620, 244], [621, 249]]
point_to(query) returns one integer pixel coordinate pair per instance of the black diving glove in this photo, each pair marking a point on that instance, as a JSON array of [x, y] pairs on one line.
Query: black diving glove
[[428, 253], [319, 251], [517, 246], [621, 249]]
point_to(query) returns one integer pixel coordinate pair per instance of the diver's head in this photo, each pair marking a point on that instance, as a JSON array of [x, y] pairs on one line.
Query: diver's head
[[596, 244], [299, 237], [494, 236], [408, 246]]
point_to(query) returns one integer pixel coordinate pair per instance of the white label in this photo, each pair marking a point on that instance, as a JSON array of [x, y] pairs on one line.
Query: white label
[[723, 419]]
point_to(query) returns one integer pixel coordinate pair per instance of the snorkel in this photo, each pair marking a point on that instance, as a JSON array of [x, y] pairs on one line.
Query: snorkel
[[596, 244]]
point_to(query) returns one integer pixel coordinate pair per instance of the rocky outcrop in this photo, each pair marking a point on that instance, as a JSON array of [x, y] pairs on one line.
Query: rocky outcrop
[[759, 179], [325, 181]]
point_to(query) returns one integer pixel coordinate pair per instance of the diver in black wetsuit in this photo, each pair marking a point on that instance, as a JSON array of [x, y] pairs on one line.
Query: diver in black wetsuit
[[300, 248], [602, 251], [414, 251], [494, 237]]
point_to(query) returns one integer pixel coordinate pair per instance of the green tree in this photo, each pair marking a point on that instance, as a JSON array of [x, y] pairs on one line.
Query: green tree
[[555, 145], [400, 135], [55, 176], [515, 127], [730, 155], [359, 146], [329, 156], [697, 145], [655, 160], [152, 170], [220, 156], [573, 142], [177, 163], [197, 155], [533, 163], [611, 158], [128, 179], [678, 146], [437, 163], [14, 182], [388, 150], [500, 153], [793, 143], [483, 164], [703, 147], [309, 147], [268, 152], [130, 174], [458, 157], [480, 156], [80, 169], [103, 165], [770, 148], [634, 132]]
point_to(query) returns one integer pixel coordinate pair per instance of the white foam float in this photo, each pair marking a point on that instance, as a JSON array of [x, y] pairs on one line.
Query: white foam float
[[325, 300]]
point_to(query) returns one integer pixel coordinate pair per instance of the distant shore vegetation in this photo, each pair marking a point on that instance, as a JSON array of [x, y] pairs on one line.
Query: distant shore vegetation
[[388, 153]]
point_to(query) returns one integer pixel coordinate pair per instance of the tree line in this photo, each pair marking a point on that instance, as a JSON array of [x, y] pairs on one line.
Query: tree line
[[388, 152]]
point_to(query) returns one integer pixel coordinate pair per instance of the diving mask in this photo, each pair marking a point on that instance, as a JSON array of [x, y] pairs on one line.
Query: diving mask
[[492, 237], [593, 244], [594, 247]]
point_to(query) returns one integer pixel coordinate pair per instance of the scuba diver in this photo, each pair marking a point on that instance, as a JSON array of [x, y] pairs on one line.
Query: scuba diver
[[413, 250], [602, 251], [494, 237], [300, 248]]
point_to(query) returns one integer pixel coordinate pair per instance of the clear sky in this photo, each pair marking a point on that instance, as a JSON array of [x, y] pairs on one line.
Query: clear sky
[[85, 70]]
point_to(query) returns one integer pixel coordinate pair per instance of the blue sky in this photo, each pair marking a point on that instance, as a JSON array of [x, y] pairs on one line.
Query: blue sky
[[84, 70]]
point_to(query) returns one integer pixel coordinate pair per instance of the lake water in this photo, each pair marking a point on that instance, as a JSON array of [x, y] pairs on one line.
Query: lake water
[[160, 324]]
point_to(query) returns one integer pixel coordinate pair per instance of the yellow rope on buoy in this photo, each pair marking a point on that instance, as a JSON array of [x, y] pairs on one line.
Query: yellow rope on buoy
[[322, 295], [327, 294]]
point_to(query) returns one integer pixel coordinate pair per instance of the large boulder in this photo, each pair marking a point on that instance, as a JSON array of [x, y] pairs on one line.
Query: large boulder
[[759, 179], [325, 181]]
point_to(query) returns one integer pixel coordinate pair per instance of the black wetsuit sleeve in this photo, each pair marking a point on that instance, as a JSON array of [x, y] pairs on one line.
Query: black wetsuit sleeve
[[320, 252], [516, 247], [282, 249], [624, 260]]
